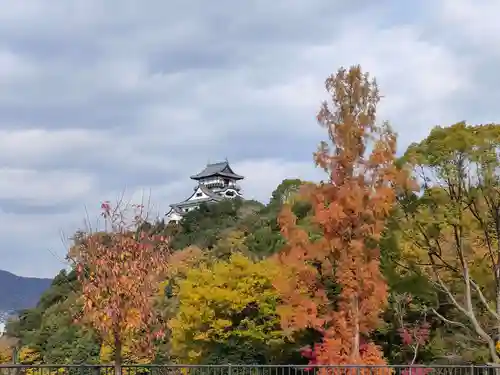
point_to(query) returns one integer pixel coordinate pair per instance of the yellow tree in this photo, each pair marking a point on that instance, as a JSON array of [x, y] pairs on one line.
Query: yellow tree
[[452, 228], [349, 211], [6, 350], [120, 270], [226, 312]]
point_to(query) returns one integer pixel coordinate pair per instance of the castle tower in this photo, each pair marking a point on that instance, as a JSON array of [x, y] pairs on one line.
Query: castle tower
[[215, 183]]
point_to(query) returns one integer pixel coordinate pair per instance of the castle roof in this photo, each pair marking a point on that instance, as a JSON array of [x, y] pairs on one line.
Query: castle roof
[[217, 169], [211, 196]]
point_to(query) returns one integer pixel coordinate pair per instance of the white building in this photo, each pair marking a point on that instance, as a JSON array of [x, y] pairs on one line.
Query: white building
[[215, 183], [2, 329]]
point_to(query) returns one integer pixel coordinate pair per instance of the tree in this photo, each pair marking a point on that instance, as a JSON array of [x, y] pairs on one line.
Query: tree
[[414, 336], [120, 271], [231, 241], [201, 227], [227, 313], [333, 283], [264, 241], [452, 228], [7, 346], [48, 328], [285, 192], [414, 286]]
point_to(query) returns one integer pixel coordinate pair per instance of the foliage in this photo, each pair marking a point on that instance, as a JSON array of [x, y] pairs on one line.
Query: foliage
[[264, 238], [334, 272], [203, 226], [29, 356], [264, 241], [286, 192], [6, 350], [47, 331], [350, 211], [227, 307], [414, 336], [452, 229], [120, 271]]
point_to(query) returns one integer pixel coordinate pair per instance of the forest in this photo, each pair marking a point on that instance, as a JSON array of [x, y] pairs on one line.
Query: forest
[[394, 258]]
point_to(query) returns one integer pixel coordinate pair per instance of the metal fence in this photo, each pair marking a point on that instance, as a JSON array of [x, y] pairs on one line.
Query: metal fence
[[246, 370]]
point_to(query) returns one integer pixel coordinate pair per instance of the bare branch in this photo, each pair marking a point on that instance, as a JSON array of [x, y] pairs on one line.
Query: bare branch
[[448, 321], [484, 301]]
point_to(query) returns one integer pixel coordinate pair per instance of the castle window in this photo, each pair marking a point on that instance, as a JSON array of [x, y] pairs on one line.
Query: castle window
[[199, 194], [229, 193]]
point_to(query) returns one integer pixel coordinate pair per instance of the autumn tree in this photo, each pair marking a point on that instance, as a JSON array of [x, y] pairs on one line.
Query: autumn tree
[[232, 241], [414, 335], [119, 270], [7, 346], [333, 283], [227, 313], [452, 227]]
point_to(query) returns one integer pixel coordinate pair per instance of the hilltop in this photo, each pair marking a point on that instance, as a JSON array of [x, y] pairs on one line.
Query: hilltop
[[17, 292]]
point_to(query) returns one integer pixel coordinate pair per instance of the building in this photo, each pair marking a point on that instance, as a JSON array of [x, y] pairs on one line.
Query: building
[[215, 183]]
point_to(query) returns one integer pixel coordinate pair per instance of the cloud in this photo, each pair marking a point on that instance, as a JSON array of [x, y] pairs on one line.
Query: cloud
[[43, 188], [473, 21], [267, 174], [101, 96]]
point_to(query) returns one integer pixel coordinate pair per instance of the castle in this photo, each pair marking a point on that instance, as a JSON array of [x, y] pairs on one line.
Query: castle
[[215, 183]]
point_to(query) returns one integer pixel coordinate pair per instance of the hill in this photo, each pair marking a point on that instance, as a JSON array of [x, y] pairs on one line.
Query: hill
[[17, 292]]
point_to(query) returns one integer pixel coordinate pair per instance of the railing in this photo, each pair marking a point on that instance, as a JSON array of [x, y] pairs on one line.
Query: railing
[[246, 370], [220, 184]]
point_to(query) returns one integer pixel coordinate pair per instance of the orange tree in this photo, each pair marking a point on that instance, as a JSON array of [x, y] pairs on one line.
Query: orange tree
[[332, 281], [120, 269]]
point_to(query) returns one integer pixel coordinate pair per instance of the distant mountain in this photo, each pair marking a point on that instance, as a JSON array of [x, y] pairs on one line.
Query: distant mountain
[[17, 292]]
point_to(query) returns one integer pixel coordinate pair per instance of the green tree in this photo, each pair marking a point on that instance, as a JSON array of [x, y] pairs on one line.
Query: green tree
[[284, 192], [203, 226], [422, 293], [48, 331], [452, 228]]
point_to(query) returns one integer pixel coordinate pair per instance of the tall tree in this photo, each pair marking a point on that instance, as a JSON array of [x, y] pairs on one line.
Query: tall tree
[[452, 228], [334, 284], [120, 270]]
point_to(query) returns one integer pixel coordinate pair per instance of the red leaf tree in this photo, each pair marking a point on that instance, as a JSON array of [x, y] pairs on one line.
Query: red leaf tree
[[120, 269], [415, 334], [350, 212]]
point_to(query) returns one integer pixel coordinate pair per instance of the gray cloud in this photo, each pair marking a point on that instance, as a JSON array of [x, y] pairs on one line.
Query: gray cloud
[[98, 96]]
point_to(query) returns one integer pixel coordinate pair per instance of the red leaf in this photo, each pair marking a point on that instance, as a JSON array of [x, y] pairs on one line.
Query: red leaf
[[405, 336]]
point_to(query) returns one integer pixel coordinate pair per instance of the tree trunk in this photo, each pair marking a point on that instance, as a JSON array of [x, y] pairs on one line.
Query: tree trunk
[[497, 271], [497, 309], [118, 353], [356, 338]]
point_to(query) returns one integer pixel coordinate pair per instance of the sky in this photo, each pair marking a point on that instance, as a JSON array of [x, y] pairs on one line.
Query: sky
[[100, 98]]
